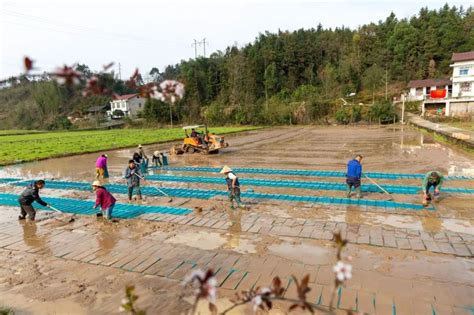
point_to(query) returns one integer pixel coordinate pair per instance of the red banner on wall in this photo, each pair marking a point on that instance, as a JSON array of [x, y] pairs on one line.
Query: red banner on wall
[[438, 93]]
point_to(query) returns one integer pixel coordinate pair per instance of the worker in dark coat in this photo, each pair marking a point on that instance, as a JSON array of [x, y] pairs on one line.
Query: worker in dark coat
[[133, 175], [27, 197]]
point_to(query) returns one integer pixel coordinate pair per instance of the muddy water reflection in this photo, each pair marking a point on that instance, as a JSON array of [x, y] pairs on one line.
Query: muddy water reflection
[[107, 240], [235, 218], [431, 224], [30, 236]]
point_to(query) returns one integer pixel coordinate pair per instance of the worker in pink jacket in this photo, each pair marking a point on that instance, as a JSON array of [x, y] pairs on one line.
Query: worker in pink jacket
[[101, 167], [104, 199]]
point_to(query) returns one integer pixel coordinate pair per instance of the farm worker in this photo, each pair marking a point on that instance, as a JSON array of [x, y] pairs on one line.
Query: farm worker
[[432, 179], [137, 158], [141, 151], [194, 133], [353, 175], [28, 196], [233, 186], [164, 159], [101, 167], [132, 174], [104, 199], [156, 158]]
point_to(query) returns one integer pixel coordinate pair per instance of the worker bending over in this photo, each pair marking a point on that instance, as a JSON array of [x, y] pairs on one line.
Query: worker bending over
[[156, 159], [27, 197], [353, 175], [101, 171], [432, 179], [104, 199]]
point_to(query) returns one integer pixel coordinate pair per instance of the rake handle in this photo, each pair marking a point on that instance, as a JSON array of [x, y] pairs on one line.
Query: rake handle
[[161, 191], [375, 183]]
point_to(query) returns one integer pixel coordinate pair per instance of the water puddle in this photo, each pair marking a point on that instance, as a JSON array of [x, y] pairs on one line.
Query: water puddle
[[240, 245], [202, 240], [303, 252]]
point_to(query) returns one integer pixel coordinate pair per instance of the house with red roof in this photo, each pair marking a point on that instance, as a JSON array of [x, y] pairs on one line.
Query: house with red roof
[[128, 104]]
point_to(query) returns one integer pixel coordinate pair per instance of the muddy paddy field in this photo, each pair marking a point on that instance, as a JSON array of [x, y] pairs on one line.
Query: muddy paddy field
[[405, 261]]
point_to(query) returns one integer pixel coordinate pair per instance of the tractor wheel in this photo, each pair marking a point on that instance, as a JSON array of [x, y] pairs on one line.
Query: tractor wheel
[[191, 149]]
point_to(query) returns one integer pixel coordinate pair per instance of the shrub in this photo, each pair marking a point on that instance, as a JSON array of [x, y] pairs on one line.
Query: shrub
[[60, 122], [413, 107], [343, 115], [356, 113], [118, 113], [383, 113]]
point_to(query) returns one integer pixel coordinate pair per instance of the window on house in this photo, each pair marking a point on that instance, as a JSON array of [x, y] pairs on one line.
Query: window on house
[[466, 86], [139, 105], [464, 71], [419, 92]]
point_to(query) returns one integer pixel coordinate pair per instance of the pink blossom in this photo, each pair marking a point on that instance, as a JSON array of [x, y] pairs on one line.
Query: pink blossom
[[343, 271], [207, 284], [67, 75]]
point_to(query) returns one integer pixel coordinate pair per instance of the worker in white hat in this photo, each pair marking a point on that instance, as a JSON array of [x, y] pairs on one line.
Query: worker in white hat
[[104, 199], [233, 186], [156, 159]]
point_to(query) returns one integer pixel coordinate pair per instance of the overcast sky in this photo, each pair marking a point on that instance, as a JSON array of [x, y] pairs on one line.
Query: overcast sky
[[148, 34]]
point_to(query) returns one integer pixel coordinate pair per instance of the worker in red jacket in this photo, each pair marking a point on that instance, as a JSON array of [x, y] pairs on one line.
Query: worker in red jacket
[[104, 199]]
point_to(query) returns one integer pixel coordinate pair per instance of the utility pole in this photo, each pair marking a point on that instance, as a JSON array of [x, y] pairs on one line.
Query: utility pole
[[266, 82], [120, 72], [403, 108], [203, 42], [195, 48]]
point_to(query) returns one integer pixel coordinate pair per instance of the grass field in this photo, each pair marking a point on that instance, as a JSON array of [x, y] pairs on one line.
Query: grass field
[[463, 125], [34, 146]]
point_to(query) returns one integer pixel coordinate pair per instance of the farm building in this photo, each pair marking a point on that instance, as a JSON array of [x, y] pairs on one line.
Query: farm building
[[129, 104]]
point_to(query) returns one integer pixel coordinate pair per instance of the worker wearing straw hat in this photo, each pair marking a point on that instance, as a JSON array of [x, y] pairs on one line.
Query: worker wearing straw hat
[[233, 186], [104, 199], [156, 159]]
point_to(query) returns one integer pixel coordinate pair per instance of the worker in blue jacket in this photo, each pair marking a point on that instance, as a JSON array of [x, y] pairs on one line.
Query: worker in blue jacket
[[353, 175]]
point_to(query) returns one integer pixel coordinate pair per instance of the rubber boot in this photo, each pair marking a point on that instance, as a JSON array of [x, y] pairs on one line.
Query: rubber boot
[[239, 202], [359, 192]]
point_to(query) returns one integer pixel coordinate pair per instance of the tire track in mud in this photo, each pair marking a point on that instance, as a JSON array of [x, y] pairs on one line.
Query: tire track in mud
[[269, 140]]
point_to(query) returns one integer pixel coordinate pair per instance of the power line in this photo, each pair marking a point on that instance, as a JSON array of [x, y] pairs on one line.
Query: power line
[[76, 28]]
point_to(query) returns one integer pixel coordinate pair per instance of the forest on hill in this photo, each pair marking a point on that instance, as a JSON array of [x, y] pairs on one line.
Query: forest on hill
[[286, 77]]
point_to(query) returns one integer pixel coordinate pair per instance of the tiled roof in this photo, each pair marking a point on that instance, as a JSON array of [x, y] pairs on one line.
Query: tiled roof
[[428, 82], [125, 97], [464, 56]]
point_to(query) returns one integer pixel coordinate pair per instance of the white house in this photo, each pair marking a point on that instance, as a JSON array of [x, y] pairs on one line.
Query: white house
[[444, 97], [421, 89], [129, 104], [463, 74]]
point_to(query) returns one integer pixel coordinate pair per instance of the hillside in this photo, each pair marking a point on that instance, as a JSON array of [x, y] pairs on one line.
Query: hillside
[[287, 77]]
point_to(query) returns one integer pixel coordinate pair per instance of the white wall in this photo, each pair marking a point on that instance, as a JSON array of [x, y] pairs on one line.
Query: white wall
[[413, 97], [466, 79], [462, 109], [130, 107], [134, 105]]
